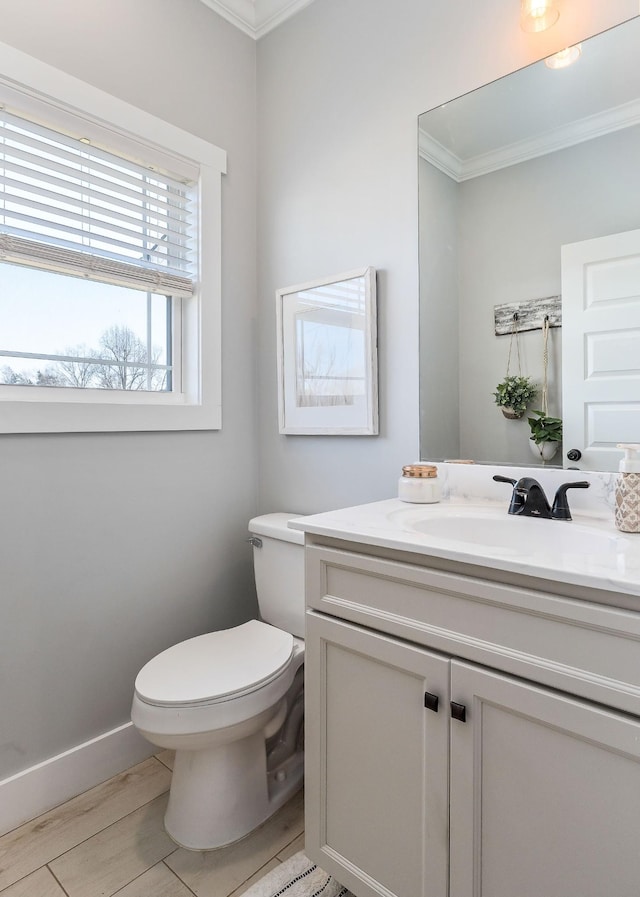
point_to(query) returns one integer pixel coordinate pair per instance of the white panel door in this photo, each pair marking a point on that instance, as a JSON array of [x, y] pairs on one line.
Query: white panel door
[[601, 347]]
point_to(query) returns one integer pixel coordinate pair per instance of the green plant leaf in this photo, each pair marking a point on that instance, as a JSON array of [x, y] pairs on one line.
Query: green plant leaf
[[515, 392], [544, 428]]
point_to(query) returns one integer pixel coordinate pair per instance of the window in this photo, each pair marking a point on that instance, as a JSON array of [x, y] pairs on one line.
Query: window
[[109, 311]]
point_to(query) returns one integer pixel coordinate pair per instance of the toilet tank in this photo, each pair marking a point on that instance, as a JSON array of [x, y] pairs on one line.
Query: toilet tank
[[279, 570]]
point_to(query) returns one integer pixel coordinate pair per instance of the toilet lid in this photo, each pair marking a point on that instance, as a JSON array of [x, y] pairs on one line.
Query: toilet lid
[[216, 666]]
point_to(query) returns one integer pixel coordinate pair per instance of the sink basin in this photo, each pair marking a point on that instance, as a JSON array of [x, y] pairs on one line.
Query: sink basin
[[519, 535]]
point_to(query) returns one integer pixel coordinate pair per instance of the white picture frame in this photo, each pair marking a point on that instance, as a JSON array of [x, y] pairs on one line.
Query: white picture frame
[[327, 356]]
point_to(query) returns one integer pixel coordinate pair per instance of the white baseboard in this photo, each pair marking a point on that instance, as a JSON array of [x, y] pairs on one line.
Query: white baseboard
[[39, 788]]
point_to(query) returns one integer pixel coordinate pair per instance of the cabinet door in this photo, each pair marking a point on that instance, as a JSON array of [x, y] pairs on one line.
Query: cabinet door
[[377, 761], [545, 792]]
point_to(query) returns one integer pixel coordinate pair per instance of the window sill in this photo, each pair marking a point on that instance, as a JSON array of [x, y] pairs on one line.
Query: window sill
[[137, 413]]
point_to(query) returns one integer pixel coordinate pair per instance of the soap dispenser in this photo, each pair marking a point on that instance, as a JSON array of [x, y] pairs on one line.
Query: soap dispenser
[[627, 515]]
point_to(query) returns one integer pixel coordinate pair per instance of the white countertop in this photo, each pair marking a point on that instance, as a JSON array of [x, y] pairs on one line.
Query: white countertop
[[587, 551]]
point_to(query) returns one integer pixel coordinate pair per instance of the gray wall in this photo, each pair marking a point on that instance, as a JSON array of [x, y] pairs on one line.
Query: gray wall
[[339, 90], [439, 313], [113, 547]]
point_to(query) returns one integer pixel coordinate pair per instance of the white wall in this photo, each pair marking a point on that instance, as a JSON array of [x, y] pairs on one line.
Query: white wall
[[340, 86], [112, 547]]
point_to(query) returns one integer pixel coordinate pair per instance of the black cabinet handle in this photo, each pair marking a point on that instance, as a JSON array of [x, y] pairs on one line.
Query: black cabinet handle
[[574, 454], [431, 701], [459, 712]]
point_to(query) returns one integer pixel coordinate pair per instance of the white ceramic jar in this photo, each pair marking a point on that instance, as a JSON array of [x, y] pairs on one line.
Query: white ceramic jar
[[419, 483]]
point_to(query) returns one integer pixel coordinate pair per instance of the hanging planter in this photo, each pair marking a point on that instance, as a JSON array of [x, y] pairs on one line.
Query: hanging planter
[[510, 414], [515, 392], [544, 451]]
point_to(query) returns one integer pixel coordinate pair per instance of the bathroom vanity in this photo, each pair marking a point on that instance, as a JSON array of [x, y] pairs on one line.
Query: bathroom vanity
[[472, 703]]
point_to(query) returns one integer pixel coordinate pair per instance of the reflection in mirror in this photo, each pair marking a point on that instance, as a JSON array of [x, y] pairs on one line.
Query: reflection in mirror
[[509, 175]]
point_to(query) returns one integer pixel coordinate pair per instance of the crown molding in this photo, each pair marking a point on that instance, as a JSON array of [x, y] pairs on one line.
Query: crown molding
[[439, 156], [611, 120], [256, 17]]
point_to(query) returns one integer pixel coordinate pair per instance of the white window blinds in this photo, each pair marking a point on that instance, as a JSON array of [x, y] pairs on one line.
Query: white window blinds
[[71, 207]]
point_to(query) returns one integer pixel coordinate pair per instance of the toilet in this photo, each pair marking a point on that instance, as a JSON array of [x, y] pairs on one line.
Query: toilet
[[230, 704]]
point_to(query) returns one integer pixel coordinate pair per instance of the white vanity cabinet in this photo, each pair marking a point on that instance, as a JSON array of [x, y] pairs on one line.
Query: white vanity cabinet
[[467, 737]]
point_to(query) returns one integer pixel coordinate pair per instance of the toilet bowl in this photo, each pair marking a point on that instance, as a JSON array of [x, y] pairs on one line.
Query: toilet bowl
[[230, 703]]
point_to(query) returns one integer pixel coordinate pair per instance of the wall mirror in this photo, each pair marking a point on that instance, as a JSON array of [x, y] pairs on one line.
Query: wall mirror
[[524, 185], [327, 356]]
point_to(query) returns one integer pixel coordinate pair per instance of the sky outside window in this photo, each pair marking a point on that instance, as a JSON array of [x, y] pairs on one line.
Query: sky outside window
[[51, 314]]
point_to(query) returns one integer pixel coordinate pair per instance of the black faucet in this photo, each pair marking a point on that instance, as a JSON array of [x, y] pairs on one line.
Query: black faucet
[[528, 498]]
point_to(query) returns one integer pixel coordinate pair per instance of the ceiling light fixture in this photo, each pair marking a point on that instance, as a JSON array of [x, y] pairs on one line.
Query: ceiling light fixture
[[564, 58], [538, 15]]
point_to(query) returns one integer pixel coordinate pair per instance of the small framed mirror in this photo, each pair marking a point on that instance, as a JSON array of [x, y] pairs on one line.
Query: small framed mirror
[[327, 356]]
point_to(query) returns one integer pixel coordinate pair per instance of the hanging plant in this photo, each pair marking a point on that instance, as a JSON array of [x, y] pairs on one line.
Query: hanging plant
[[515, 392], [513, 395]]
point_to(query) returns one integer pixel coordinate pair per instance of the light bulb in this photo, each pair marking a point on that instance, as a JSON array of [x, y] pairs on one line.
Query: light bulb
[[564, 58], [538, 15]]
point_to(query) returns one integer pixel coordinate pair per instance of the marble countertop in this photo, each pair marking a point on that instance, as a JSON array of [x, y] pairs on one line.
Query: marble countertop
[[587, 551]]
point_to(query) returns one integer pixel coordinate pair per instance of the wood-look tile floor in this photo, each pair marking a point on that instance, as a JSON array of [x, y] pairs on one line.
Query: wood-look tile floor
[[110, 840]]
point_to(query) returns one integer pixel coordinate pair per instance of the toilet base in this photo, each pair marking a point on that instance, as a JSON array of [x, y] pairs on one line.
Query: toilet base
[[220, 795]]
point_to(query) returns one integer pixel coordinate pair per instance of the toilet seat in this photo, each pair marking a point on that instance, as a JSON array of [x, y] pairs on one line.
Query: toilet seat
[[216, 667]]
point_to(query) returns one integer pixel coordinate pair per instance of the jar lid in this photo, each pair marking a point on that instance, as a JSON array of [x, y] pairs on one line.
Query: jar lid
[[420, 470]]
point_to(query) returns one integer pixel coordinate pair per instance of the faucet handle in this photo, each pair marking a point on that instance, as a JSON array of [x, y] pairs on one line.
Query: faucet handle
[[500, 479], [560, 510], [518, 497]]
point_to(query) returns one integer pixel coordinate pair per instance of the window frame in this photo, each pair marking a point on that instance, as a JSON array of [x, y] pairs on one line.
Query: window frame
[[197, 320]]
